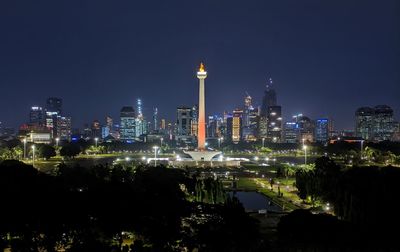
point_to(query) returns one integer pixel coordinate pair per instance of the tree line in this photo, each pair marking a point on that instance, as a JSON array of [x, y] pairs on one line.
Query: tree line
[[365, 196], [100, 208]]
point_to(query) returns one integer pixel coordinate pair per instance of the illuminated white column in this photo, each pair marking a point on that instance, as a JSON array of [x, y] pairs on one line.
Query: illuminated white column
[[201, 132]]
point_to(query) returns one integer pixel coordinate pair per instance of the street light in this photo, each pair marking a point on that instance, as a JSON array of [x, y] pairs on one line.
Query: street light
[[96, 139], [263, 140], [305, 154], [24, 148], [155, 155], [57, 140], [161, 140], [33, 155], [361, 152], [219, 141]]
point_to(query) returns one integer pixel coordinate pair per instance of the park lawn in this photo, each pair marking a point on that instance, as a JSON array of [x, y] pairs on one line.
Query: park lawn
[[251, 184]]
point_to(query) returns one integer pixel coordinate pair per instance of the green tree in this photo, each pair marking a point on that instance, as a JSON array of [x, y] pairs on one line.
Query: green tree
[[45, 151]]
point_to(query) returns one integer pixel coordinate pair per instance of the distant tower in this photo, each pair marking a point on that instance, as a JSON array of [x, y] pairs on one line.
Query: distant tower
[[269, 98], [139, 107], [155, 119], [201, 132]]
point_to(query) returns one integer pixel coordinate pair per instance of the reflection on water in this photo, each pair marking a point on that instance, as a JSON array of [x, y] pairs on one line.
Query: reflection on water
[[255, 201]]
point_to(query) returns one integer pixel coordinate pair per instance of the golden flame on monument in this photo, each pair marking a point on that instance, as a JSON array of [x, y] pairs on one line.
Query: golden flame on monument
[[202, 67]]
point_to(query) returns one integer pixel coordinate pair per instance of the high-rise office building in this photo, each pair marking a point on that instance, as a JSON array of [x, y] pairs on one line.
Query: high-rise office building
[[383, 123], [37, 116], [109, 122], [107, 129], [291, 132], [127, 125], [96, 129], [54, 104], [246, 110], [275, 124], [63, 128], [214, 126], [322, 130], [184, 123], [269, 101], [194, 121], [163, 124], [365, 123], [237, 125], [306, 128], [155, 120]]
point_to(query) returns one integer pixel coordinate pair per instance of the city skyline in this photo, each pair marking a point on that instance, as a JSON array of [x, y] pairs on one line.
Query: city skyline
[[325, 61]]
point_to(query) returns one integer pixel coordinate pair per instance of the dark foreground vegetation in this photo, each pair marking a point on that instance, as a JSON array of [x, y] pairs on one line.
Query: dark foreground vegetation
[[119, 209], [363, 198], [127, 208]]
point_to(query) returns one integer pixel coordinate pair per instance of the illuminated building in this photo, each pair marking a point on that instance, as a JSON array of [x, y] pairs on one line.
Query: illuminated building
[[306, 128], [214, 126], [269, 100], [184, 124], [322, 130], [237, 125], [96, 129], [383, 123], [246, 110], [54, 104], [155, 119], [365, 123], [39, 137], [274, 124], [107, 129], [127, 125], [162, 124], [194, 122], [291, 132], [63, 128], [37, 116]]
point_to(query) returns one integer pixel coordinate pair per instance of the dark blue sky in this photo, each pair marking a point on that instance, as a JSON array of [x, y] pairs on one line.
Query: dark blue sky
[[326, 57]]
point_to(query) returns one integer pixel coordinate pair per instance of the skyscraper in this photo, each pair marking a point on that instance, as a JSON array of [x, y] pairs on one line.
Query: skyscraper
[[274, 124], [246, 110], [140, 122], [365, 123], [37, 116], [54, 104], [237, 125], [383, 123], [63, 128], [127, 127], [183, 123], [291, 132], [184, 118], [322, 130], [155, 119], [269, 100]]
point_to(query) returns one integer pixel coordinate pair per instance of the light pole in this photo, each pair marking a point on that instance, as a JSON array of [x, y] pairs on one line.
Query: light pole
[[219, 141], [263, 140], [57, 140], [96, 139], [161, 140], [33, 155], [155, 155], [305, 154], [24, 148], [361, 151]]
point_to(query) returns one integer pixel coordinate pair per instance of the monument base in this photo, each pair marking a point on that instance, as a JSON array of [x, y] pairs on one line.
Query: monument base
[[205, 164], [202, 155]]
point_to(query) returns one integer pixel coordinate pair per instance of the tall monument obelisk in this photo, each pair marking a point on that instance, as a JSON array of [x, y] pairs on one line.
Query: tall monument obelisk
[[201, 130]]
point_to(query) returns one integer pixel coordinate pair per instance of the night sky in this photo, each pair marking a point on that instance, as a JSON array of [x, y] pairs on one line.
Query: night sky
[[327, 58]]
